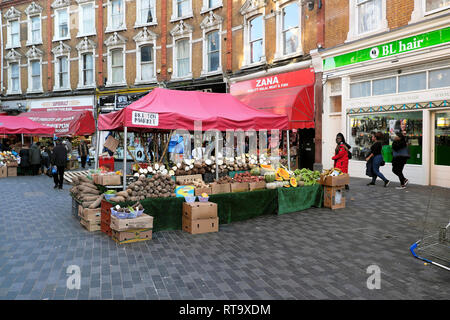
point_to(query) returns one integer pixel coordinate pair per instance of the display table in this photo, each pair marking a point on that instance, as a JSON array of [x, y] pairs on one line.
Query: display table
[[232, 207]]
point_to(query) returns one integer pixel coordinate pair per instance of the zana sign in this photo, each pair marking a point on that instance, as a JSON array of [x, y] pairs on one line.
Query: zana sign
[[391, 48]]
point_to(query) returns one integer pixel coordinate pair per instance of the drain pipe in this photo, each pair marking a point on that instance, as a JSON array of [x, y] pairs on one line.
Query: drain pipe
[[1, 53]]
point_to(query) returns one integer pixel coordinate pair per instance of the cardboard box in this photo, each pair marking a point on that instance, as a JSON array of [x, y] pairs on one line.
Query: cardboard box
[[199, 210], [3, 172], [95, 178], [341, 180], [110, 180], [189, 178], [239, 187], [90, 226], [199, 191], [12, 171], [220, 188], [92, 215], [130, 236], [334, 197], [256, 185], [12, 164], [111, 143], [142, 222], [200, 225]]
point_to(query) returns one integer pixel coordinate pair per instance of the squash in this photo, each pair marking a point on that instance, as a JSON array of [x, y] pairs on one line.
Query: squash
[[293, 182], [269, 177], [267, 167], [283, 173], [255, 171]]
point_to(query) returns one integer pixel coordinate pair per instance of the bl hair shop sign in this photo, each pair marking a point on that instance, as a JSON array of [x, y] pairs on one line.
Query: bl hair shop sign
[[416, 42]]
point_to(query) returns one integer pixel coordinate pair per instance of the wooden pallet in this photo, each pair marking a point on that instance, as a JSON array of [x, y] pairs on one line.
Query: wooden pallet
[[69, 175]]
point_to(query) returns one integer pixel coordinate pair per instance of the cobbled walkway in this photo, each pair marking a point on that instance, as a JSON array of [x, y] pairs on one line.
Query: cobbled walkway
[[313, 254]]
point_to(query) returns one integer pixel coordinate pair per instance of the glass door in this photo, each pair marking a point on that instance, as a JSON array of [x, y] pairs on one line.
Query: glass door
[[440, 160]]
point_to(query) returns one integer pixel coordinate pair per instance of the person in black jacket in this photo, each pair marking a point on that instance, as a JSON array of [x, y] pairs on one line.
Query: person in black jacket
[[25, 164], [400, 157], [59, 159]]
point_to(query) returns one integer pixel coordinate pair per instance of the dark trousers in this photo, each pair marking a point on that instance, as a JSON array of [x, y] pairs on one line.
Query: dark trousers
[[35, 168], [398, 163], [58, 178], [83, 161]]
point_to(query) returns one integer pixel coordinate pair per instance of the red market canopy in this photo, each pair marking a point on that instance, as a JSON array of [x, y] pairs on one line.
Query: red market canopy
[[21, 125], [66, 123], [165, 109], [290, 94]]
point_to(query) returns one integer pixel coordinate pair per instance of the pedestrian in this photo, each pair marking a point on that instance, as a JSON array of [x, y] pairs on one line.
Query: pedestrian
[[83, 152], [49, 151], [341, 155], [45, 162], [25, 164], [377, 159], [400, 156], [68, 145], [35, 158], [59, 159]]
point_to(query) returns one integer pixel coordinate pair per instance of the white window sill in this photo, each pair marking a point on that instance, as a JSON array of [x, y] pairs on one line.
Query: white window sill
[[175, 19], [210, 73], [34, 43], [435, 11], [90, 86], [365, 35], [117, 84], [335, 114], [187, 77], [141, 25], [36, 91], [11, 93], [79, 35], [60, 39], [279, 57], [149, 81], [109, 30], [206, 10], [255, 64], [12, 47], [61, 89]]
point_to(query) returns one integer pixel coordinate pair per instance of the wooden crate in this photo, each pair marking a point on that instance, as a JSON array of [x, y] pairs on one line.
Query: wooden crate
[[89, 225]]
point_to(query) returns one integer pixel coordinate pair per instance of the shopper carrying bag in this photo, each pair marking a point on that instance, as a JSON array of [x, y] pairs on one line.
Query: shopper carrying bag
[[377, 158], [401, 155]]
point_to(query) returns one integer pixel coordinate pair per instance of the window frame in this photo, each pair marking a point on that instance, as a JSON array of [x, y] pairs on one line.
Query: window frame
[[206, 7], [62, 50], [33, 11], [189, 58], [253, 41], [179, 32], [139, 9], [353, 33], [213, 23], [57, 36], [59, 73], [81, 17], [145, 38], [86, 46], [34, 55], [13, 57], [10, 78], [250, 10], [110, 81], [123, 25], [175, 17], [12, 15], [426, 13]]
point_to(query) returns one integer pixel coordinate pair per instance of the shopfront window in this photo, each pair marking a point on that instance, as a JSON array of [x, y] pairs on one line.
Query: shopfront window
[[384, 86], [439, 78], [432, 5], [442, 139], [412, 82], [361, 89], [361, 127]]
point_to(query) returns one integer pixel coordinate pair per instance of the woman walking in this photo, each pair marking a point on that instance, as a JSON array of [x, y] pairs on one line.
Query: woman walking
[[377, 159], [400, 156], [341, 155]]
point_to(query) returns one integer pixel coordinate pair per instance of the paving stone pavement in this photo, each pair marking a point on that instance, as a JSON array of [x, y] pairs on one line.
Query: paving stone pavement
[[314, 254]]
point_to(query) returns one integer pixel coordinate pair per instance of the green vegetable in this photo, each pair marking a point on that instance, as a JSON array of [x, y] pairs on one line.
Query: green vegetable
[[110, 192]]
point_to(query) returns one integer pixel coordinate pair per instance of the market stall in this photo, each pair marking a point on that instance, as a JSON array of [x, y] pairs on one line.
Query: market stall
[[163, 188], [10, 160]]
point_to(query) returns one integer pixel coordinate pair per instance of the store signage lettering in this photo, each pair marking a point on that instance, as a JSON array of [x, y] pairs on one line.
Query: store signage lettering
[[388, 49], [145, 118]]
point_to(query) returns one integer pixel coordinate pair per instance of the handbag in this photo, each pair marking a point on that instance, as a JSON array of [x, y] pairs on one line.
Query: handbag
[[54, 170], [349, 154]]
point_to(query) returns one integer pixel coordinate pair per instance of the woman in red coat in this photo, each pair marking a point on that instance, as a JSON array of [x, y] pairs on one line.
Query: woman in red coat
[[341, 154]]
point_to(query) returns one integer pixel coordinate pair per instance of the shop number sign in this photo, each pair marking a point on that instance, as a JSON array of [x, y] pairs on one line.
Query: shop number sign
[[145, 118]]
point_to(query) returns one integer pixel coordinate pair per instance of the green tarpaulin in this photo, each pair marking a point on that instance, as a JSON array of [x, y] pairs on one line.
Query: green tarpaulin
[[298, 199]]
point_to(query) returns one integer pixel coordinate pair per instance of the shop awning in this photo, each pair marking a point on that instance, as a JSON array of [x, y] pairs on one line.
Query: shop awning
[[20, 125], [66, 123], [175, 109], [290, 94]]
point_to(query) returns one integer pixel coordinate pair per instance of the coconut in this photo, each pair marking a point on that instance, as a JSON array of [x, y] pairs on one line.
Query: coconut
[[136, 174], [171, 173], [156, 166], [191, 166], [179, 165], [162, 167], [208, 162]]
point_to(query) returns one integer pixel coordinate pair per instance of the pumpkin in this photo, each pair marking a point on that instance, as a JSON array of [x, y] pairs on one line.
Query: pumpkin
[[283, 173], [293, 182]]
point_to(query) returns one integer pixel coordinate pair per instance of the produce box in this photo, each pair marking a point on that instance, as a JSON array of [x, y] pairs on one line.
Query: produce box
[[239, 187], [182, 191], [111, 143], [200, 225], [3, 172], [217, 188], [92, 215], [256, 185], [199, 210], [95, 178], [334, 197], [133, 235], [189, 178], [142, 222], [199, 191], [110, 180], [12, 164], [331, 181], [90, 225], [12, 171]]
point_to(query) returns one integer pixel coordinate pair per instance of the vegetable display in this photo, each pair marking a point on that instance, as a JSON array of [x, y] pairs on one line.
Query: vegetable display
[[158, 186], [246, 177], [85, 191]]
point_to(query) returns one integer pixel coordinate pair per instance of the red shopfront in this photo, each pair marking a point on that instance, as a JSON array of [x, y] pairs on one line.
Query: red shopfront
[[291, 94]]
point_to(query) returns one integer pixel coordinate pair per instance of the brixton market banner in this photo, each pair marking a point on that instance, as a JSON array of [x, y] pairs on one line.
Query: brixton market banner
[[416, 42]]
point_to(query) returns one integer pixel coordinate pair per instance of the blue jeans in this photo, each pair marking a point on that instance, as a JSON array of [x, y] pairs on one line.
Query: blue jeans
[[376, 168]]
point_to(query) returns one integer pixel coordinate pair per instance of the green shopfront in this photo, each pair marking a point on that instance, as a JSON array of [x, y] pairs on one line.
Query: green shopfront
[[398, 85]]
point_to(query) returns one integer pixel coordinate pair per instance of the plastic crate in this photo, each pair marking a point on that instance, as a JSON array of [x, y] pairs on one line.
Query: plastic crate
[[106, 162], [105, 228]]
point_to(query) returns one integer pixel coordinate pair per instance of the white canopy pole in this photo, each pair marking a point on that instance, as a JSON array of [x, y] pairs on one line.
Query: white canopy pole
[[22, 139], [125, 133], [217, 154], [288, 150]]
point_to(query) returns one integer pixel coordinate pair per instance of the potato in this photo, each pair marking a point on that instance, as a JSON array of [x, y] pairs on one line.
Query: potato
[[118, 199], [122, 194], [96, 203], [129, 191], [86, 204]]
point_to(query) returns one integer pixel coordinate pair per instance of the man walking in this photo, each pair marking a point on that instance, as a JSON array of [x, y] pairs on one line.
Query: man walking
[[35, 158], [59, 159], [83, 152]]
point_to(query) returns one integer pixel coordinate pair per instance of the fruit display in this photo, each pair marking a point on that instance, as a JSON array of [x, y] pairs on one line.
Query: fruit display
[[224, 180], [7, 158], [85, 191], [197, 183], [333, 172], [269, 177], [309, 177], [246, 177]]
